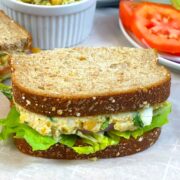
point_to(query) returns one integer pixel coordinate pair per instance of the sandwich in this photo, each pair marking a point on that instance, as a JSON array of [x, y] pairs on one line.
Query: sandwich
[[83, 103], [13, 39]]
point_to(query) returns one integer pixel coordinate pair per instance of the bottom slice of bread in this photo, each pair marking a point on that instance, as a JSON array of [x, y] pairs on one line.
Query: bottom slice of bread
[[124, 148]]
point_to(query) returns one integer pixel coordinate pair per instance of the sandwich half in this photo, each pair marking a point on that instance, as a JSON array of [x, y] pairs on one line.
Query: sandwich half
[[82, 103], [13, 39]]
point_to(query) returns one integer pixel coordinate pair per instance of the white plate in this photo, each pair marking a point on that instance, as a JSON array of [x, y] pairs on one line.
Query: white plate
[[164, 59], [107, 3]]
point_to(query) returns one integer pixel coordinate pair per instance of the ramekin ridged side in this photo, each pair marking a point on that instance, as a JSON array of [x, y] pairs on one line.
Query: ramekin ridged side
[[1, 5], [52, 29]]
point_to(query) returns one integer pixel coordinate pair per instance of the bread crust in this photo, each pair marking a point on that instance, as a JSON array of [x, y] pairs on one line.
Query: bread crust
[[93, 105], [27, 45], [124, 148]]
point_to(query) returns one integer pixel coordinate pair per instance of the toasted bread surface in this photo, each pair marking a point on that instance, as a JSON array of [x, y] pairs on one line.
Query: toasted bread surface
[[124, 148], [13, 37], [89, 81]]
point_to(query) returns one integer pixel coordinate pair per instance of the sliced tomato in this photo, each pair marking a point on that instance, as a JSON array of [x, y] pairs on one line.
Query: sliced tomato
[[158, 26], [126, 8]]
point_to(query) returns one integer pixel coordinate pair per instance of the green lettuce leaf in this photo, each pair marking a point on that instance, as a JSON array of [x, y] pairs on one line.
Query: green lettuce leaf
[[125, 135], [34, 139], [4, 77], [68, 140], [10, 124], [12, 127], [138, 121], [97, 142], [176, 4], [84, 149], [6, 90], [105, 124]]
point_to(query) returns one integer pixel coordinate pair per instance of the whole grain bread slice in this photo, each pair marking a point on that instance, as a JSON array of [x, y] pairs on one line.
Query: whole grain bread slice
[[13, 38], [124, 148], [89, 81]]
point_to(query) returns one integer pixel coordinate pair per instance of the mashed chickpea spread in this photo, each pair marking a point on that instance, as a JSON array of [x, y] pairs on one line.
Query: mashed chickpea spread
[[54, 126], [49, 2]]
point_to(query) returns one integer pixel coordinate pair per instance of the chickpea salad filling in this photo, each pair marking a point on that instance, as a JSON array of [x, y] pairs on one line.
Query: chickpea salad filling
[[49, 2], [55, 126], [3, 59], [4, 66]]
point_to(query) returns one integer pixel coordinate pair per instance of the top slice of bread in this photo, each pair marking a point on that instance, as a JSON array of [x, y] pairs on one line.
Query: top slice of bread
[[13, 38], [89, 81]]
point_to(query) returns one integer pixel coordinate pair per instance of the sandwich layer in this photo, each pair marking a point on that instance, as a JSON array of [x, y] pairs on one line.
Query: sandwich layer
[[13, 37], [89, 81], [124, 148], [83, 142], [55, 126]]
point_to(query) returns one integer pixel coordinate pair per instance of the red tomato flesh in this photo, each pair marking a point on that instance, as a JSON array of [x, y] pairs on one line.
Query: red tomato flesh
[[126, 8], [158, 26]]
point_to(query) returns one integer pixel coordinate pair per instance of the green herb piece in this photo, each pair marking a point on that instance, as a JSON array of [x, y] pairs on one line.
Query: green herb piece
[[137, 121], [6, 90], [52, 119], [105, 124]]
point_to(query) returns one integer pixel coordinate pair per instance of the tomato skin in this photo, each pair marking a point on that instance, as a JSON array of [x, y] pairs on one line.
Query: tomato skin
[[126, 8], [158, 26]]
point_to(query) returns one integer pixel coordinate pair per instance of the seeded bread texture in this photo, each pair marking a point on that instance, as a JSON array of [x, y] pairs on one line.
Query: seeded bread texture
[[89, 81], [124, 148], [13, 38]]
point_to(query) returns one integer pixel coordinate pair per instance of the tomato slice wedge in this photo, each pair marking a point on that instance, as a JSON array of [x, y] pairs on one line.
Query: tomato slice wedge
[[126, 8], [158, 26]]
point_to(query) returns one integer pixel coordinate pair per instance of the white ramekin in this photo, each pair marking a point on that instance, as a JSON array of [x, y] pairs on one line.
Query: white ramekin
[[1, 5], [53, 26]]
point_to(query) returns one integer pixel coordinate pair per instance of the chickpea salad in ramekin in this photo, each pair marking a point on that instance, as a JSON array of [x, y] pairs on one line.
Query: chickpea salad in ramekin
[[49, 2]]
